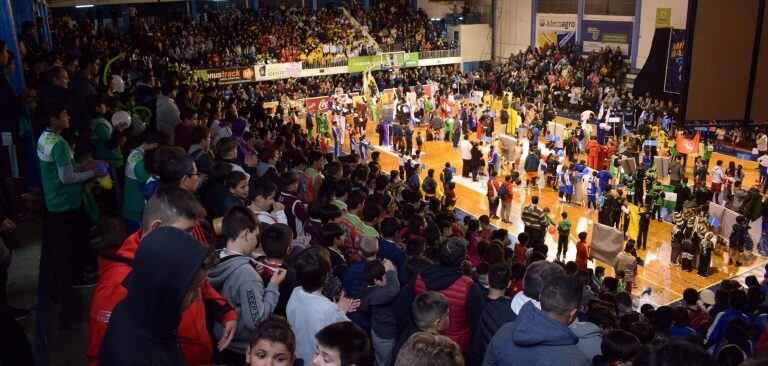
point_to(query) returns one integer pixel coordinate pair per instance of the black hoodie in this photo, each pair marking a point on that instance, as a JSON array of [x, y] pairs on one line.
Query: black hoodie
[[142, 328]]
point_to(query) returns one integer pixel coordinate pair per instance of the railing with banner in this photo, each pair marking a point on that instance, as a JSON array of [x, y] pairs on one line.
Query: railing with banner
[[384, 61]]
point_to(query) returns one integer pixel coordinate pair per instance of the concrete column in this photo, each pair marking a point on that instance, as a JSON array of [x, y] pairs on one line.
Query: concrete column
[[314, 6]]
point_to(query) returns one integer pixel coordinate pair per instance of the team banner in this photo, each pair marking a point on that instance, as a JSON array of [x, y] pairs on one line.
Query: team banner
[[688, 146], [278, 71], [556, 29], [673, 78], [597, 34], [364, 63]]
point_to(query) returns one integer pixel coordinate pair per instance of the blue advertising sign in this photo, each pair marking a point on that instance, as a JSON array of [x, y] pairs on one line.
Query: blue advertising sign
[[597, 34], [673, 78]]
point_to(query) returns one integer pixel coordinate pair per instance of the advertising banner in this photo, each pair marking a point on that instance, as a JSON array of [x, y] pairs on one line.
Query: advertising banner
[[319, 104], [557, 29], [673, 79], [278, 71], [364, 63], [663, 17], [227, 76], [597, 34]]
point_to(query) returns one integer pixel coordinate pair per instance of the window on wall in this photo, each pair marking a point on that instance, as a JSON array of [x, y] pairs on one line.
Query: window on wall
[[609, 7], [558, 6]]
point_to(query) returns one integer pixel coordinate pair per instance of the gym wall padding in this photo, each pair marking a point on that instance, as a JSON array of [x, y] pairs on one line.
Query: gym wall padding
[[721, 59], [760, 94]]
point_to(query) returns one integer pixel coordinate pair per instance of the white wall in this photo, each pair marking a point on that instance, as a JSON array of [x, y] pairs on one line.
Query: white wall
[[648, 23], [438, 9], [474, 40], [513, 27]]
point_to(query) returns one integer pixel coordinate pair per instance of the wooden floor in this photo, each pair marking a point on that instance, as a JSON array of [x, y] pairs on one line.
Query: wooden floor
[[666, 281]]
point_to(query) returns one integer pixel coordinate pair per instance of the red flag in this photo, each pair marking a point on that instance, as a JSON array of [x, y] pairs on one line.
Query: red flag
[[688, 146]]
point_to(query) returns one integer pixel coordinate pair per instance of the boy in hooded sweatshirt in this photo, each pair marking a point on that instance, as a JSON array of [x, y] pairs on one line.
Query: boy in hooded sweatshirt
[[169, 269], [236, 279]]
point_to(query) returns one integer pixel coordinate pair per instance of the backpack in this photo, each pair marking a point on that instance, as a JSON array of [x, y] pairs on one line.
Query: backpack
[[502, 192]]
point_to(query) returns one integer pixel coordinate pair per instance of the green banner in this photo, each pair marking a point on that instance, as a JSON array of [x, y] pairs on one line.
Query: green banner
[[364, 63], [412, 59]]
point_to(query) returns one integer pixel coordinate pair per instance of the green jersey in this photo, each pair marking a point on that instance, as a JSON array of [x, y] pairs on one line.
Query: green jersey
[[102, 131], [135, 174], [54, 152], [564, 228]]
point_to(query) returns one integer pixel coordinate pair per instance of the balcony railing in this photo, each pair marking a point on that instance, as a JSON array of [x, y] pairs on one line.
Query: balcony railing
[[319, 65], [425, 55]]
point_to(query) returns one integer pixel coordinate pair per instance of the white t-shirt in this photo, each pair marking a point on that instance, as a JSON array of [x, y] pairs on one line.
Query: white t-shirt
[[465, 147], [763, 161]]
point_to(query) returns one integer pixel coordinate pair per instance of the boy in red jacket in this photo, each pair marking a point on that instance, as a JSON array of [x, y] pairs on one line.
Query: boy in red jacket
[[170, 206]]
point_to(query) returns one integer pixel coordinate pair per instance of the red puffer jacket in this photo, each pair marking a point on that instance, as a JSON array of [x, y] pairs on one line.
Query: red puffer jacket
[[193, 335]]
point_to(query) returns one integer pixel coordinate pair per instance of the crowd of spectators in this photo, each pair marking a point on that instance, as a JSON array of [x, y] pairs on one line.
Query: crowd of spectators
[[396, 26], [247, 240]]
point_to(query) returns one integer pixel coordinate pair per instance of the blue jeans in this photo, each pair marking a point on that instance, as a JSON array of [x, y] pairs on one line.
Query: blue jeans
[[382, 348]]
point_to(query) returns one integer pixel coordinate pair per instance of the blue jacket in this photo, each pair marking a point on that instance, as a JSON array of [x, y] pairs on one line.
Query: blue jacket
[[534, 339], [716, 331], [354, 282], [531, 163], [389, 250]]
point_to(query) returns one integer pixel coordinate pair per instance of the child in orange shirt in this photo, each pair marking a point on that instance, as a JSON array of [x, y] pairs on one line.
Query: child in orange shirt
[[582, 252]]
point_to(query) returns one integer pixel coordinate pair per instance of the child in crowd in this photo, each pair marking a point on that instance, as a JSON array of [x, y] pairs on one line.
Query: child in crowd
[[516, 282], [563, 233], [341, 344], [272, 344], [263, 202], [377, 299], [276, 244], [429, 312], [424, 349], [236, 280], [355, 281], [582, 252], [497, 311], [237, 182]]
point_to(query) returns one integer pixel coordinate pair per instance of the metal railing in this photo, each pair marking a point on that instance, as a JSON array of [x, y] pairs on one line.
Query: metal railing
[[425, 55], [319, 65]]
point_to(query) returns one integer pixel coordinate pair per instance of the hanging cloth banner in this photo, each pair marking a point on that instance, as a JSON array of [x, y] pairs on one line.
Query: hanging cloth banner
[[688, 146]]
